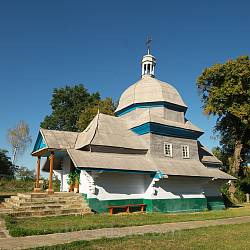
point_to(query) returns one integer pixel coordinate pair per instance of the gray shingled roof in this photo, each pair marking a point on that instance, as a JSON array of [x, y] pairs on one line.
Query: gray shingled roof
[[149, 89], [59, 139], [206, 156], [188, 167], [147, 116], [109, 131], [86, 159], [112, 161]]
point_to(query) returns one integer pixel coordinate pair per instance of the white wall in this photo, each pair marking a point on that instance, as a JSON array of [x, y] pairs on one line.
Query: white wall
[[112, 185], [212, 188], [65, 172], [179, 187]]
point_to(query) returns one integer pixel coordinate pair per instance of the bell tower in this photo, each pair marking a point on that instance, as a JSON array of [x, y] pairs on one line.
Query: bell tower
[[148, 61]]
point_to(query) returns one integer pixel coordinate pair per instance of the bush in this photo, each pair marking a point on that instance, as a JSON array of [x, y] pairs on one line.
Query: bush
[[15, 186]]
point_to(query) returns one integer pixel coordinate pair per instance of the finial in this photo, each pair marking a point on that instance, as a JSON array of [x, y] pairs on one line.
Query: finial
[[148, 44]]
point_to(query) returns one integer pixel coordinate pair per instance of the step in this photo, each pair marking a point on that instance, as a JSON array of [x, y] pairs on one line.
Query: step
[[46, 212]]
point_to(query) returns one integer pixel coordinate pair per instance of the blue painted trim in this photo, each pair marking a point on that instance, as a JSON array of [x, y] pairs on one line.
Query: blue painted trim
[[115, 170], [158, 175], [134, 106], [39, 143], [160, 129]]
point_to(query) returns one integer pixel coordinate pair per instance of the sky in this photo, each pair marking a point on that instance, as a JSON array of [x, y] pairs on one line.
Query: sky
[[50, 44]]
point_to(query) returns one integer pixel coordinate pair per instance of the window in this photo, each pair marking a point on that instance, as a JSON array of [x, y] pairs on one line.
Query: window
[[185, 151], [168, 148]]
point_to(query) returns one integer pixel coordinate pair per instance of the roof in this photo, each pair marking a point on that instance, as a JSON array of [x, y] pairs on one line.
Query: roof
[[170, 167], [188, 167], [149, 89], [109, 131], [146, 116], [206, 156], [59, 139], [86, 159]]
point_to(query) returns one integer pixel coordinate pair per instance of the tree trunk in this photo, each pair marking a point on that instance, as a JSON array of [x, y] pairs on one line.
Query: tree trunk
[[14, 156], [237, 158]]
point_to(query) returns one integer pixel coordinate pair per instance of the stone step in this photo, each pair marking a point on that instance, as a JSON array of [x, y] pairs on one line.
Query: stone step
[[46, 212], [43, 204]]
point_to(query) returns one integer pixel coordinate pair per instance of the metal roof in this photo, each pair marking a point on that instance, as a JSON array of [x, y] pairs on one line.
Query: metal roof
[[149, 89], [111, 161], [110, 131]]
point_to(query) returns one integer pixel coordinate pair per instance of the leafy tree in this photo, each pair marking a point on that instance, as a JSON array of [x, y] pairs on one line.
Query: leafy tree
[[24, 173], [19, 139], [6, 166], [105, 106], [70, 103], [225, 93]]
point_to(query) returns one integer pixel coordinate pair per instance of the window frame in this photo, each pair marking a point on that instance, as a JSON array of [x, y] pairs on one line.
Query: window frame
[[171, 149], [185, 152]]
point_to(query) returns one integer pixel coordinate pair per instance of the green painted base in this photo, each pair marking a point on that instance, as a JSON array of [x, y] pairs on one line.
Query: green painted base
[[215, 203], [161, 205]]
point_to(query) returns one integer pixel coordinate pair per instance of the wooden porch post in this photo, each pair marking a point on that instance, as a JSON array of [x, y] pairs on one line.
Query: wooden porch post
[[37, 186], [51, 165]]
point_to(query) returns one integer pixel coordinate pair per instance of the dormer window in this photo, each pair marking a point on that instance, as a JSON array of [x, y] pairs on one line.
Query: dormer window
[[168, 149], [185, 151]]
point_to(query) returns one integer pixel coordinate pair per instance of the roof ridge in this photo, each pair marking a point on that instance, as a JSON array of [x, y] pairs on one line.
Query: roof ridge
[[96, 128]]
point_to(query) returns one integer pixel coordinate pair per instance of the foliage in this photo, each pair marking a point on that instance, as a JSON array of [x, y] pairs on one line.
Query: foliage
[[225, 92], [74, 107], [56, 184], [19, 139], [16, 186], [73, 177], [222, 156], [242, 186], [24, 173], [6, 166], [105, 106], [45, 225]]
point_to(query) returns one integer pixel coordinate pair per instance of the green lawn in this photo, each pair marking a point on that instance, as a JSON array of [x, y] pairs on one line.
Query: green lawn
[[217, 237], [47, 225]]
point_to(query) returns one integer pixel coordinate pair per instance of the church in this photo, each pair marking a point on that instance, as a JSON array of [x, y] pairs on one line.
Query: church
[[148, 153]]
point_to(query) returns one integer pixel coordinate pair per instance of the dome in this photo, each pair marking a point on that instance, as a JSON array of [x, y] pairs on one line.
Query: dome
[[149, 89]]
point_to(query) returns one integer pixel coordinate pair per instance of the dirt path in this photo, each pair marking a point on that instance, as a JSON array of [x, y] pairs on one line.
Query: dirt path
[[61, 238]]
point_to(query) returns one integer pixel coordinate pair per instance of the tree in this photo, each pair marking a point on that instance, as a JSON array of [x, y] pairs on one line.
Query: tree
[[67, 103], [6, 166], [24, 173], [74, 107], [105, 106], [225, 93], [19, 139]]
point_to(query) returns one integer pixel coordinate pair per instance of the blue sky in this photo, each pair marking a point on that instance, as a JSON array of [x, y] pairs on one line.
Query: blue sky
[[48, 44]]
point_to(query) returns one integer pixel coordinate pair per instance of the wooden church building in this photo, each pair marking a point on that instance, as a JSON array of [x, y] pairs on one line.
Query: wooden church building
[[148, 153]]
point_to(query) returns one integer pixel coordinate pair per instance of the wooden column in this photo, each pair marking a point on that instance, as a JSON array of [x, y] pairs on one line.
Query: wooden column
[[51, 166], [37, 186]]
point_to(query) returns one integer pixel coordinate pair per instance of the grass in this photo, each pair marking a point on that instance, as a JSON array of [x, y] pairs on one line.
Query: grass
[[47, 225], [16, 186], [216, 237]]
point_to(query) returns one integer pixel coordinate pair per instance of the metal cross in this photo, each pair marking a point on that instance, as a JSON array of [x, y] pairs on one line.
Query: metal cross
[[149, 43]]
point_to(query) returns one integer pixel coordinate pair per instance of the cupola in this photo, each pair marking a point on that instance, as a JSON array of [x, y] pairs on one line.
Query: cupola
[[148, 62]]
